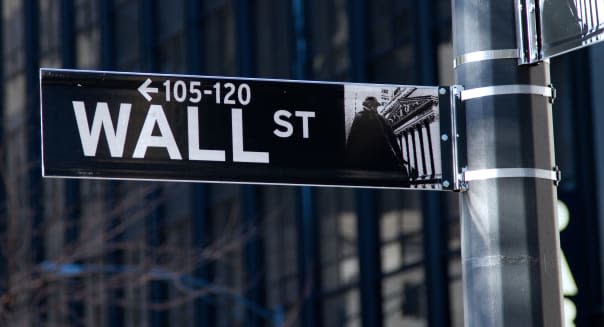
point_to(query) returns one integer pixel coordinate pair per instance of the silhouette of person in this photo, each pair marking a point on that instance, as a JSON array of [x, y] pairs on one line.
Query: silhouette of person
[[371, 144]]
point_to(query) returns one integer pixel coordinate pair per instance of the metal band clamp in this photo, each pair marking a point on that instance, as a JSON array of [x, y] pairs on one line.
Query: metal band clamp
[[485, 55], [546, 91], [482, 174]]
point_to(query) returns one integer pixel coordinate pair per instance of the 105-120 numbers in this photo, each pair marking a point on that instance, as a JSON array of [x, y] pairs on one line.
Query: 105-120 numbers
[[223, 93]]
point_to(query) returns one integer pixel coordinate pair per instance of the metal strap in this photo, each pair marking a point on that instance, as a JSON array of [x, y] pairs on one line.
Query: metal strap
[[546, 91], [482, 174], [485, 55]]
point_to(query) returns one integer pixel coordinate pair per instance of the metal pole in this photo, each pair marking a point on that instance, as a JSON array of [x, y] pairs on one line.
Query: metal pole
[[204, 311], [250, 195], [309, 260], [155, 221], [32, 79], [370, 262], [367, 206], [309, 240], [31, 23], [509, 233], [72, 187], [4, 280], [115, 312], [434, 205]]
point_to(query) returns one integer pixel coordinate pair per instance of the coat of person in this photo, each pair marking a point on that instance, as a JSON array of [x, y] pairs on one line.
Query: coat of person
[[372, 145]]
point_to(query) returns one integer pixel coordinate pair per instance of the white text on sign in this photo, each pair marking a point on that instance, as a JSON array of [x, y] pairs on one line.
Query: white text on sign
[[116, 136], [156, 117], [233, 95]]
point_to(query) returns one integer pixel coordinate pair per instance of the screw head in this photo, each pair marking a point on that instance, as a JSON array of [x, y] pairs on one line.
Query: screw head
[[446, 183], [442, 91], [444, 137]]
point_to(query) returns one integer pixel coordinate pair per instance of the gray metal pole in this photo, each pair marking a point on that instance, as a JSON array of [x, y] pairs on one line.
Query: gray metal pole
[[509, 233]]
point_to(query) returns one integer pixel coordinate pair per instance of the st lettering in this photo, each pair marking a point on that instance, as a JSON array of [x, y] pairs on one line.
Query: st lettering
[[285, 127]]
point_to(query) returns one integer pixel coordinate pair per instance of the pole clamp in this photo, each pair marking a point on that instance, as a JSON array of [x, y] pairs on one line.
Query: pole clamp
[[485, 55], [554, 174], [546, 91]]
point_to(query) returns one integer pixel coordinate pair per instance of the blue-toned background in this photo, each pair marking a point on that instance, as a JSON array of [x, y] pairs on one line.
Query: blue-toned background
[[100, 253]]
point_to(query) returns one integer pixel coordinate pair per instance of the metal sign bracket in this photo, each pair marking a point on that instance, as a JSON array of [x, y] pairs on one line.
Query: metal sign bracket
[[483, 55], [452, 130], [456, 174], [482, 174], [528, 32], [547, 91]]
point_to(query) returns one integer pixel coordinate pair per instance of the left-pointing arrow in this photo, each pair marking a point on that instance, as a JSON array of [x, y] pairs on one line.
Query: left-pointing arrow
[[144, 89]]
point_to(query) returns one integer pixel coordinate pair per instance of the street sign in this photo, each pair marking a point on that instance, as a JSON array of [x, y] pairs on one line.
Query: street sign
[[570, 24], [222, 129], [549, 28]]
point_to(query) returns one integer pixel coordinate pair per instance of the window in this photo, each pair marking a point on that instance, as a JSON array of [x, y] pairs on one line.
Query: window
[[329, 39]]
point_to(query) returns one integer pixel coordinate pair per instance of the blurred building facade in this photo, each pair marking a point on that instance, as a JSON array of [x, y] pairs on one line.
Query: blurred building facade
[[106, 253]]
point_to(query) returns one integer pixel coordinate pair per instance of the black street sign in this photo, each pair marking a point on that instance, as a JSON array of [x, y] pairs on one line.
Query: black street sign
[[567, 25], [221, 129]]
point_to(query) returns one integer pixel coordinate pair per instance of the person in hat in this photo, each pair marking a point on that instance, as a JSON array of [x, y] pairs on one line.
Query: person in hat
[[371, 144]]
